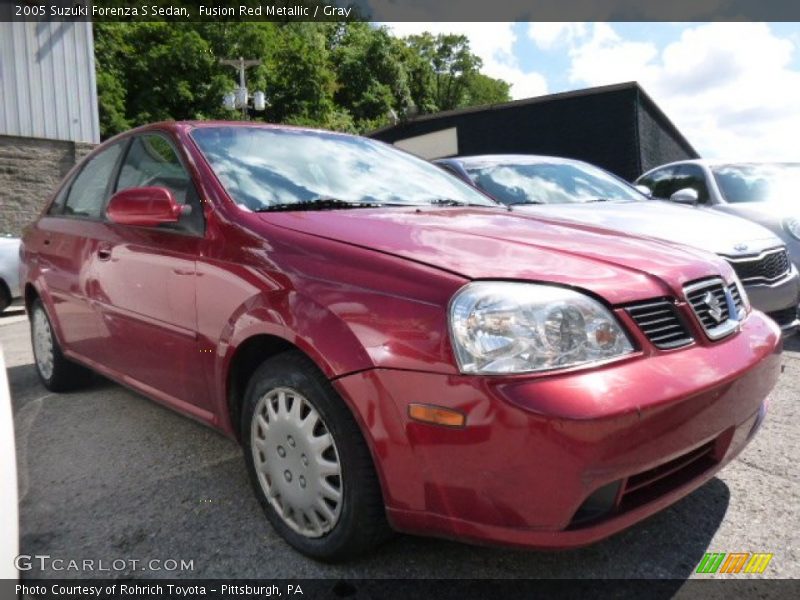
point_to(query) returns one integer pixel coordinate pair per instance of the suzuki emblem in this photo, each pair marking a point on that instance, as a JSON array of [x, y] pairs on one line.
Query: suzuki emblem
[[714, 306]]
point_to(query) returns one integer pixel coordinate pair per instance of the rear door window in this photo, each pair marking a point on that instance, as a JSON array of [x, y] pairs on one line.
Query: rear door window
[[88, 192]]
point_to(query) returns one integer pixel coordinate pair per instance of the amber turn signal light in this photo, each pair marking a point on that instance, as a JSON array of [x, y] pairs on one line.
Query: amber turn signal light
[[436, 415]]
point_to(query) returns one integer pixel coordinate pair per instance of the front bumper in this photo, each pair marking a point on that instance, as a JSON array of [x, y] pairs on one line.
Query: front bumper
[[536, 448], [779, 300]]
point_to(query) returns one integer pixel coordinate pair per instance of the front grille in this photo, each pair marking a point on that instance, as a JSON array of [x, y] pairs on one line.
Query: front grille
[[765, 268], [641, 488], [709, 302], [784, 317], [653, 483], [660, 322], [737, 299]]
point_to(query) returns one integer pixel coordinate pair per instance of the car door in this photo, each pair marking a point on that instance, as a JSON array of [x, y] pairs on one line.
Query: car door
[[148, 280], [67, 240]]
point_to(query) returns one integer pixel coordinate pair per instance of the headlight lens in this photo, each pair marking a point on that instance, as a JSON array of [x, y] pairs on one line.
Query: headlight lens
[[504, 327], [792, 225]]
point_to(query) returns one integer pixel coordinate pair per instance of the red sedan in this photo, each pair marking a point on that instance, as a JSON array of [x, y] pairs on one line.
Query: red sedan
[[391, 348]]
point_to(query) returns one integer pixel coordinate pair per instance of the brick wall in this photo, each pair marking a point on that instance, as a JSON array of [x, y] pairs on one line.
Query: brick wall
[[30, 170]]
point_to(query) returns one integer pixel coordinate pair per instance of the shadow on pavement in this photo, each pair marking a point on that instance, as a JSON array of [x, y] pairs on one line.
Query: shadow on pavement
[[792, 343], [110, 474]]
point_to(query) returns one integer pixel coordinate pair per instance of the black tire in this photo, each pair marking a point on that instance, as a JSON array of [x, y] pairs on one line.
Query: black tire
[[65, 375], [5, 296], [362, 523]]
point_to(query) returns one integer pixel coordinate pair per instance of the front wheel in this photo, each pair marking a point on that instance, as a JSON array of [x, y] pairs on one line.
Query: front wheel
[[308, 462], [57, 373]]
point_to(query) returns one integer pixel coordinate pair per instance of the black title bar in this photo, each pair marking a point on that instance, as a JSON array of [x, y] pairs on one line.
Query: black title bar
[[401, 10]]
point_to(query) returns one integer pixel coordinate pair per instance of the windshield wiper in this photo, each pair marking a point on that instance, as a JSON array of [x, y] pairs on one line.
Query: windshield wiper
[[521, 202], [446, 202], [321, 203], [452, 202]]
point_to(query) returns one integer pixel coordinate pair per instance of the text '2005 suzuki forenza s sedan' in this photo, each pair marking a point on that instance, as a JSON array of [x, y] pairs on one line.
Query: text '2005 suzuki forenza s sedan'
[[391, 348]]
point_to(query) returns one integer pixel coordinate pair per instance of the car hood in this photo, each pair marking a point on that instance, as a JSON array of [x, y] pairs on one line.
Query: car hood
[[762, 212], [712, 231], [489, 243]]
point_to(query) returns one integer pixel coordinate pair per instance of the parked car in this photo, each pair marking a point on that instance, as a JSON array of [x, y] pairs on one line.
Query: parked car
[[9, 511], [570, 189], [9, 271], [392, 349], [761, 192]]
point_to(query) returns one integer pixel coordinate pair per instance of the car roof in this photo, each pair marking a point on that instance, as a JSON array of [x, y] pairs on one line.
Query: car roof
[[492, 159], [719, 162], [189, 125]]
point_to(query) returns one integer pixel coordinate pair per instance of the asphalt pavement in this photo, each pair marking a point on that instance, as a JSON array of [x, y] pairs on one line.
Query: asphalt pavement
[[105, 474]]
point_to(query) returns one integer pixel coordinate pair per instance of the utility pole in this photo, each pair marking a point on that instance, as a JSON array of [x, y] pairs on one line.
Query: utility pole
[[242, 97]]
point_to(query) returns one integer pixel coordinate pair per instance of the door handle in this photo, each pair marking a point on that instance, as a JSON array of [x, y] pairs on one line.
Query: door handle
[[104, 253]]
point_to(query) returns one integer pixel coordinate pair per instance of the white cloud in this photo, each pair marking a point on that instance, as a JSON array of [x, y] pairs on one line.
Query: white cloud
[[729, 87], [549, 35], [493, 43]]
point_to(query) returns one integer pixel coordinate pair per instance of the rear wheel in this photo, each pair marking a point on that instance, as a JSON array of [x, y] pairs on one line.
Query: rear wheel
[[57, 373], [310, 466]]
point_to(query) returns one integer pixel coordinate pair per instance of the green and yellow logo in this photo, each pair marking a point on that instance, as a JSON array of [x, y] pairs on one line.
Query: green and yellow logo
[[734, 562]]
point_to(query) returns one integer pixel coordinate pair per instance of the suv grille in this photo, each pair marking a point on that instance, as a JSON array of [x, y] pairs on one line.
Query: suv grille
[[765, 268], [709, 302], [660, 322]]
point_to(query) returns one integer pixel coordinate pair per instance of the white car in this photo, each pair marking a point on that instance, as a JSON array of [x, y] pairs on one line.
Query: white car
[[9, 522], [9, 271]]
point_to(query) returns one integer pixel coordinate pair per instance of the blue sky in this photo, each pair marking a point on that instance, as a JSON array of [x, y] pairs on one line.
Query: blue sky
[[732, 88]]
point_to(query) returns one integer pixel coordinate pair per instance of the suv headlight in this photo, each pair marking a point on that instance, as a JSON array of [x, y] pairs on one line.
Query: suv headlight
[[505, 327], [792, 225]]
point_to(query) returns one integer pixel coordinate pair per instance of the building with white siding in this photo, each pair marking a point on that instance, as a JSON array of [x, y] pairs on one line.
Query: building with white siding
[[47, 81], [48, 112]]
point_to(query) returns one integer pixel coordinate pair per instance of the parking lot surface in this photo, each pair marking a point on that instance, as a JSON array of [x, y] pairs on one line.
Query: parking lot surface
[[105, 473]]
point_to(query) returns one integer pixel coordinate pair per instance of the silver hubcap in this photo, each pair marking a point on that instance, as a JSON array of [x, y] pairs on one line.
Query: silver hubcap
[[297, 462], [43, 343]]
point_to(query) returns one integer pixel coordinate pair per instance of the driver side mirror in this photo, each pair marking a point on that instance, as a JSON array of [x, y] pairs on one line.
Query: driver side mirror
[[685, 196], [643, 189], [145, 207]]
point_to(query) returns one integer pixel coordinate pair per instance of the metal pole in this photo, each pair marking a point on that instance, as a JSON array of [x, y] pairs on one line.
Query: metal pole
[[241, 64]]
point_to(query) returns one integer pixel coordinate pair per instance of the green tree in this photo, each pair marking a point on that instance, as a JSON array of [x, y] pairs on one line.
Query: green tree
[[110, 48], [446, 64], [300, 81], [371, 77], [348, 76], [482, 89]]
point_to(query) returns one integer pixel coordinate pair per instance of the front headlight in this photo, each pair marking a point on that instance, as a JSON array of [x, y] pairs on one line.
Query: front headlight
[[504, 327], [792, 225]]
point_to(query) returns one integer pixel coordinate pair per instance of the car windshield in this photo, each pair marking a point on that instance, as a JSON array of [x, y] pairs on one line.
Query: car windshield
[[288, 169], [758, 183], [549, 183]]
